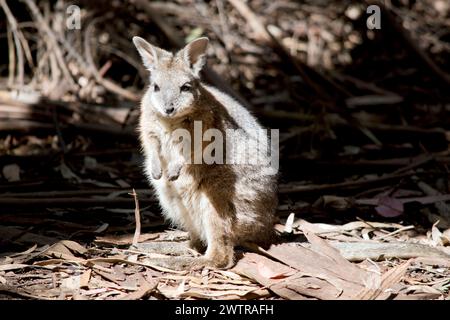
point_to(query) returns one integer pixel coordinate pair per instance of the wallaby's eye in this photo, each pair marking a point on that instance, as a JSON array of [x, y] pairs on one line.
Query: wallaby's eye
[[155, 87], [185, 87]]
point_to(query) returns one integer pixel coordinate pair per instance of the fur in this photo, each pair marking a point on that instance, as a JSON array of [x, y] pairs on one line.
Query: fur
[[220, 205]]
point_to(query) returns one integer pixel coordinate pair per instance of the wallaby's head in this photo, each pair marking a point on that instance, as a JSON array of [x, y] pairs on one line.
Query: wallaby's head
[[174, 79]]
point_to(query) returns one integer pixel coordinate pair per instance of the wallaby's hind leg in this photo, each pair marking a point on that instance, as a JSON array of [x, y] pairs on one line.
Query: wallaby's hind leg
[[196, 243], [219, 254], [220, 251]]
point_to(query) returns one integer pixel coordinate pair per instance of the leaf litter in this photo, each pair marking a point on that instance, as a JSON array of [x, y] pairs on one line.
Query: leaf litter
[[316, 268]]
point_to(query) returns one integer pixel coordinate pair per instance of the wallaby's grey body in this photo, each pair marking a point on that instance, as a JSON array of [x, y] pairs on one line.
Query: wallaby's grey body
[[220, 205]]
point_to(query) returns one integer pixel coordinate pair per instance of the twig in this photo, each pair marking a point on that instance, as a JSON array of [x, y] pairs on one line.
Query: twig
[[227, 39], [390, 234], [137, 216], [358, 251], [72, 202], [12, 57], [68, 193], [347, 184], [13, 23]]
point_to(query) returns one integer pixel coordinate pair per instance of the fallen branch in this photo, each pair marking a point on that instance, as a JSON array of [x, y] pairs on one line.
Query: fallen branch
[[359, 251], [286, 189], [72, 202]]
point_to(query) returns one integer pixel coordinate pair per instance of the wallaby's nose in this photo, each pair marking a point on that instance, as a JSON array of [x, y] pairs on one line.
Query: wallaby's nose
[[169, 110]]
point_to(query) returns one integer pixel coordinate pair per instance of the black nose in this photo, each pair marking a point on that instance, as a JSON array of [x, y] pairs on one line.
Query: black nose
[[170, 110]]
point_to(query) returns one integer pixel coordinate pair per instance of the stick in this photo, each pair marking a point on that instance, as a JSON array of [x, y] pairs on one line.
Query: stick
[[13, 23], [347, 184], [12, 57], [69, 193], [137, 216], [359, 251], [72, 202]]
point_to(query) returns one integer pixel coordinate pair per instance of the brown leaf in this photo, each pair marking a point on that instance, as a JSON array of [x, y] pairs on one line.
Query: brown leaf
[[295, 287], [267, 272], [389, 207], [11, 172], [63, 250], [84, 279], [145, 288], [74, 246], [324, 262], [390, 278]]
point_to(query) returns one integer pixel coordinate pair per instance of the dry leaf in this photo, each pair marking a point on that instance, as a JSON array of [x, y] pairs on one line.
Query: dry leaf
[[295, 287], [63, 250], [84, 279], [267, 272], [390, 278], [11, 172], [145, 288], [389, 207]]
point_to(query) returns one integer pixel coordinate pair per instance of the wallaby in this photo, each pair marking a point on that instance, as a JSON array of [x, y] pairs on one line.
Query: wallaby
[[221, 204]]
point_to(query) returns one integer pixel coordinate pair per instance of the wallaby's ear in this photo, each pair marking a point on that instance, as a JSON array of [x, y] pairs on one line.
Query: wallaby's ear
[[194, 54], [149, 53]]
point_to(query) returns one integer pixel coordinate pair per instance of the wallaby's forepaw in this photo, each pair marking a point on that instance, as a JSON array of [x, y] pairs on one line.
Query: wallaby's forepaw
[[156, 171], [173, 171]]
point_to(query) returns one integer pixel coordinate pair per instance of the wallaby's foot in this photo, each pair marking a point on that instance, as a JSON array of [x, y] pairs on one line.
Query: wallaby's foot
[[220, 256], [156, 171]]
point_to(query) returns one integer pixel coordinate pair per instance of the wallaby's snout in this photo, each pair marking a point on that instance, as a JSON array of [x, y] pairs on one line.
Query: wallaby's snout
[[169, 110]]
